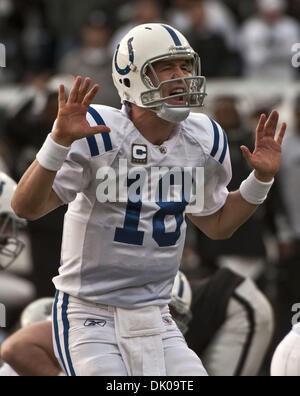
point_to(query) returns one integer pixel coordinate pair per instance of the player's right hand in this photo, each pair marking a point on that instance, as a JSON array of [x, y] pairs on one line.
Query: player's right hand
[[71, 121]]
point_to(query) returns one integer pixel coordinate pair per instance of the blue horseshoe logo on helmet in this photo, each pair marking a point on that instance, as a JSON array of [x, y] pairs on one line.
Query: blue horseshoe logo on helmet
[[127, 69]]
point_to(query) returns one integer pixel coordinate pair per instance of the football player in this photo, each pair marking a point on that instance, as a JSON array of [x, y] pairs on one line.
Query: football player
[[234, 336], [29, 351], [10, 244], [15, 292], [286, 359], [119, 259]]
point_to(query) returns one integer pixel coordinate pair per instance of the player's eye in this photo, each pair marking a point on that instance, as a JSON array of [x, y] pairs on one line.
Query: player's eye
[[166, 68], [187, 68]]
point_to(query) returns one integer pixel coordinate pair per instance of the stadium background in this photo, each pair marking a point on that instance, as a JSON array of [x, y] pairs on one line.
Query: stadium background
[[249, 72]]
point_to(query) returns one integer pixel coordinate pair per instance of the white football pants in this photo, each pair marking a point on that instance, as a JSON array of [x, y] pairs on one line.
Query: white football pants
[[85, 343]]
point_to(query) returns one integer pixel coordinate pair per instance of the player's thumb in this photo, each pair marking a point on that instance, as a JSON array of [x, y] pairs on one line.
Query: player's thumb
[[246, 153], [99, 129]]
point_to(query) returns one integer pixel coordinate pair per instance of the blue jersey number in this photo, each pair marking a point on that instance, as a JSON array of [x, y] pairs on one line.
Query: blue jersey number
[[129, 233]]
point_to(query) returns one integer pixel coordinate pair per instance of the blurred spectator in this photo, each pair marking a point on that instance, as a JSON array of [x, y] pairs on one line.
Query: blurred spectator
[[266, 41], [142, 11], [245, 252], [65, 18], [289, 177], [218, 18], [4, 157], [177, 14], [27, 124], [92, 58], [294, 8], [26, 131], [216, 58], [241, 9], [29, 44], [11, 38]]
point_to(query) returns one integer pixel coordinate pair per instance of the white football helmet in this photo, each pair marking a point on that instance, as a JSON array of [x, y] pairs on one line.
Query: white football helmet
[[10, 224], [38, 311], [286, 359], [180, 304], [134, 57]]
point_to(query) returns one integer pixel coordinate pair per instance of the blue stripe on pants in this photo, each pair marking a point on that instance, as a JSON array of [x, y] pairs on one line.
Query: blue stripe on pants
[[66, 326], [56, 332]]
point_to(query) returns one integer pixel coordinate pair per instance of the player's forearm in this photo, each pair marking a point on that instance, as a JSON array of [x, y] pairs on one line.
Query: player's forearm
[[32, 196], [233, 215], [224, 223]]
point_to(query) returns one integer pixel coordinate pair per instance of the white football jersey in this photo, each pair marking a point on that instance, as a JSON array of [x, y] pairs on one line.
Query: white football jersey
[[127, 253]]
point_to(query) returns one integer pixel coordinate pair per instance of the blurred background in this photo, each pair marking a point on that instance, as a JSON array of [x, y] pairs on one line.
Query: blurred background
[[249, 54]]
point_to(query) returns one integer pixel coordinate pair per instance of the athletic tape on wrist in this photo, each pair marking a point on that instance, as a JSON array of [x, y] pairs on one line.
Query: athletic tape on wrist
[[255, 191], [52, 155]]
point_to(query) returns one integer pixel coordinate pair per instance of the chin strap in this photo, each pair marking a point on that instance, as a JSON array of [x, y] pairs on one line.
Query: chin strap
[[173, 114]]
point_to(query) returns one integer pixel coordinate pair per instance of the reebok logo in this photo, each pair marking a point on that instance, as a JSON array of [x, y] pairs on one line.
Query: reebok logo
[[95, 322]]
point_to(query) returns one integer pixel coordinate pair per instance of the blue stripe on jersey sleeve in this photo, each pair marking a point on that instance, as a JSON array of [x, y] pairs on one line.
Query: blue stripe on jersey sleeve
[[92, 142], [105, 136], [216, 139], [223, 155], [216, 145]]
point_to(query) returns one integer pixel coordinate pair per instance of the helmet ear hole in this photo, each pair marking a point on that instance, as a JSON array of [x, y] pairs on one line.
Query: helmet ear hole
[[127, 82]]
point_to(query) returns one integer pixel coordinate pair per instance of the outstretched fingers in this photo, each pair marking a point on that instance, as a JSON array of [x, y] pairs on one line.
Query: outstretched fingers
[[84, 90], [260, 127], [89, 97], [281, 133], [246, 152], [75, 91], [271, 124], [61, 96]]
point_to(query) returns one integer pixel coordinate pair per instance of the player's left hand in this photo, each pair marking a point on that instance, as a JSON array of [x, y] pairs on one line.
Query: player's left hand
[[266, 157]]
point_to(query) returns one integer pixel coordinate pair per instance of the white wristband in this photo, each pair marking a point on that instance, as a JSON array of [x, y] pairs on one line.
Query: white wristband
[[255, 191], [52, 155]]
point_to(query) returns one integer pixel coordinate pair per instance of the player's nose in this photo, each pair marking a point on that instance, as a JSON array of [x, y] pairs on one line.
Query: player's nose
[[178, 72]]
